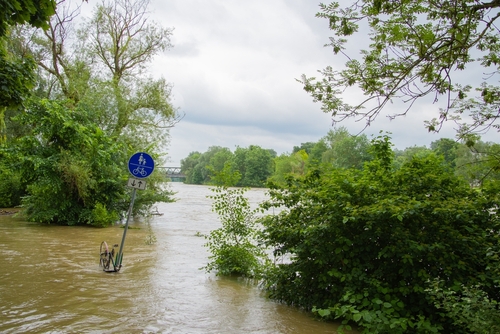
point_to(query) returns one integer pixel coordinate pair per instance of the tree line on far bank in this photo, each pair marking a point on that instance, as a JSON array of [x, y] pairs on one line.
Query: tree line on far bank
[[474, 161]]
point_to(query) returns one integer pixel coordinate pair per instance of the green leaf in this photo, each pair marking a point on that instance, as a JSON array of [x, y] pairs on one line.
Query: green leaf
[[324, 312]]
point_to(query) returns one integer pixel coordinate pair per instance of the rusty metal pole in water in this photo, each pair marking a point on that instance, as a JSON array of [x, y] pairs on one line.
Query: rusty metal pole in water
[[119, 256]]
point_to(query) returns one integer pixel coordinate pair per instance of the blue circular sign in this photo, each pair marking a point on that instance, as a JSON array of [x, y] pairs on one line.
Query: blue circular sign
[[141, 165]]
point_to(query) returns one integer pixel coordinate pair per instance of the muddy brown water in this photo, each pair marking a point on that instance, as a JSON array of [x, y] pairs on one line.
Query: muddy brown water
[[50, 280]]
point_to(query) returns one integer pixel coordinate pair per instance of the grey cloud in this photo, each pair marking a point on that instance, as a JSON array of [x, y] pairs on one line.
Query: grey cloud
[[234, 66]]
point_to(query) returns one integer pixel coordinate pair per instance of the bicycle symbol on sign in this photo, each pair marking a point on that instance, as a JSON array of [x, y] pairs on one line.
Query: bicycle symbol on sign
[[139, 170]]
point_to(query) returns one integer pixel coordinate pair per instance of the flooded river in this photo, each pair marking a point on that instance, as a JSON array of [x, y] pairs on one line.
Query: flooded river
[[50, 280]]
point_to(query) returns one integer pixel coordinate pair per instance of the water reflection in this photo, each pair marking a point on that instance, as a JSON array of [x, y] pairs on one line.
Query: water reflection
[[50, 280]]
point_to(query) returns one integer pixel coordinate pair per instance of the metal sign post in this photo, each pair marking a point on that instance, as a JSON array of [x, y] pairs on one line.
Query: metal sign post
[[140, 165], [119, 256]]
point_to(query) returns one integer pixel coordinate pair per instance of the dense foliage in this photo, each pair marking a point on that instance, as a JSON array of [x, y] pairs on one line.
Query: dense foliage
[[71, 168], [17, 72], [34, 12], [364, 244], [445, 50], [254, 164], [70, 129], [16, 80], [471, 308], [72, 171]]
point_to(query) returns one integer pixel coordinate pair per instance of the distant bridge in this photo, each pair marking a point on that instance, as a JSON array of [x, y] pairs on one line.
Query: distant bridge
[[174, 173]]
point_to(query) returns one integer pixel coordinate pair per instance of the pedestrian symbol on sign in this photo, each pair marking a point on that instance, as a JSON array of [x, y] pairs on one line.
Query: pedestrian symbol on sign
[[141, 165]]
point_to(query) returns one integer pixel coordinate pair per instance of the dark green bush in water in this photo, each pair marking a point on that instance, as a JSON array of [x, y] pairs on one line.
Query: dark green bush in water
[[364, 244], [75, 173]]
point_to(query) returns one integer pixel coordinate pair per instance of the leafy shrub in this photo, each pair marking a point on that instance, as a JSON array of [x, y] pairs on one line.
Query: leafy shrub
[[470, 308], [72, 167], [364, 243], [101, 217], [11, 187], [233, 246]]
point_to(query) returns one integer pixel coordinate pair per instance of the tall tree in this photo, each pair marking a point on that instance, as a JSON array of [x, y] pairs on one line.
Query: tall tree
[[258, 166], [402, 157], [316, 155], [123, 40], [307, 147], [448, 50], [289, 165], [345, 150], [201, 167], [218, 161], [64, 176], [447, 148], [188, 165], [204, 165], [67, 72], [102, 64], [238, 161], [254, 164]]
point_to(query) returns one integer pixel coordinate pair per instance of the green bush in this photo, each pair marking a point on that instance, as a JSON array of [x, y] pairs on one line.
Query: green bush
[[101, 217], [470, 308], [11, 188], [363, 244], [233, 246], [75, 173]]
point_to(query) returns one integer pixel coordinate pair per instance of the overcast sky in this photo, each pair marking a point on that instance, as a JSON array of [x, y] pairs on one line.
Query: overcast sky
[[234, 67]]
